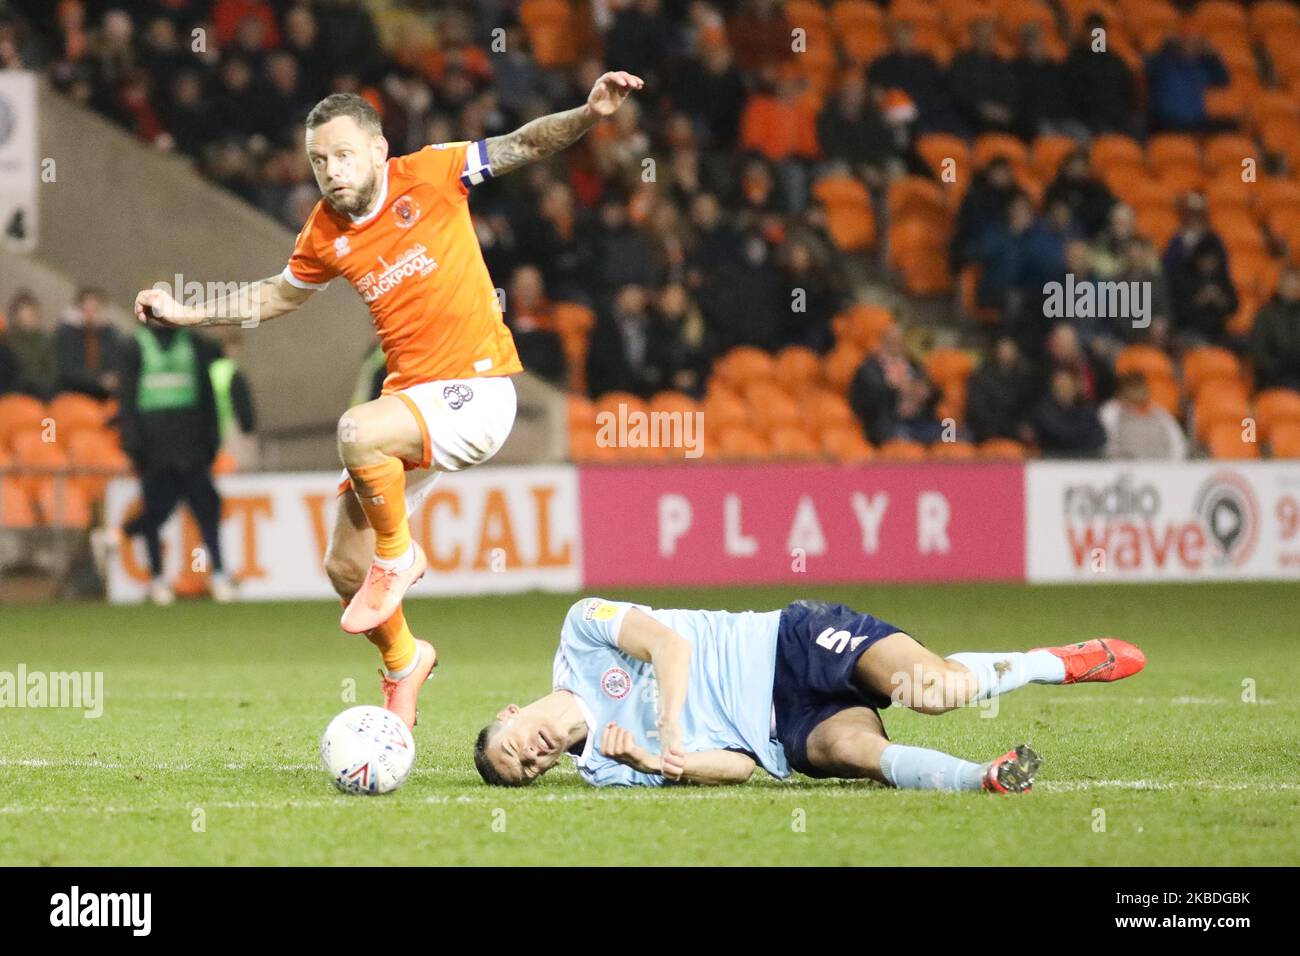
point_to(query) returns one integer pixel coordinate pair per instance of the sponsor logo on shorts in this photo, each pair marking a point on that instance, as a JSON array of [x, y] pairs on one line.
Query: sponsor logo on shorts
[[457, 395], [616, 683]]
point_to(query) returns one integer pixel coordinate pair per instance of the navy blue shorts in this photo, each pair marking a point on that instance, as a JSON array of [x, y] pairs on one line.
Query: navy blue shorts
[[817, 646]]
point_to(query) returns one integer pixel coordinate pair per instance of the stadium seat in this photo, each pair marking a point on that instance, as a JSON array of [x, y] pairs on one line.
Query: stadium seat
[[935, 148], [845, 443], [19, 413], [821, 408], [952, 402], [72, 411], [1172, 149], [1164, 392], [584, 449], [952, 451], [1272, 16], [841, 364], [95, 450], [1206, 364], [16, 508], [1237, 228], [915, 195], [1231, 102], [742, 365], [573, 323], [1227, 190], [1147, 359], [945, 366], [740, 443], [1115, 149], [770, 405], [993, 145], [850, 218], [580, 411], [1275, 407], [551, 31], [723, 408], [672, 402], [901, 449], [1219, 403], [1156, 223], [1224, 153], [1047, 152], [63, 504], [1225, 440], [793, 442], [849, 15], [862, 326], [1005, 449], [1284, 442], [797, 368]]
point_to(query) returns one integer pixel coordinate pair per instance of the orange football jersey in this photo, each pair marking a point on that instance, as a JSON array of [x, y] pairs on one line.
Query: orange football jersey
[[416, 262]]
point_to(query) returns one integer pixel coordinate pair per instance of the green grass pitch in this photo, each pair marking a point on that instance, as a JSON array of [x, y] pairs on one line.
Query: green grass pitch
[[220, 709]]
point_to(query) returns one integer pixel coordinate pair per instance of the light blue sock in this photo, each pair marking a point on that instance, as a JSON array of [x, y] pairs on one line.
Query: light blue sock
[[917, 768], [1002, 673]]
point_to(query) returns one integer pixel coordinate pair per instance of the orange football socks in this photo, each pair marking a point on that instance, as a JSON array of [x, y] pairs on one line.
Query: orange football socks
[[381, 489], [395, 641]]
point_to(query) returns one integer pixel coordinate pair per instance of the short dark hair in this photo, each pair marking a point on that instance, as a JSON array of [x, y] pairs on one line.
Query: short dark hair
[[486, 769], [345, 104]]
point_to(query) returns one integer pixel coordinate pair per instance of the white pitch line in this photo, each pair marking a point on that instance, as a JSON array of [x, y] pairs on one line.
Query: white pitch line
[[833, 791]]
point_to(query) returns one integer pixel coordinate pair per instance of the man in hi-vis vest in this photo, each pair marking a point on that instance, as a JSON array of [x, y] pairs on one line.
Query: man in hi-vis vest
[[171, 430]]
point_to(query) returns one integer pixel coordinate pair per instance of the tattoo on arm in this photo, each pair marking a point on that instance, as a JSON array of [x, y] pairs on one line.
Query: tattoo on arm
[[537, 139]]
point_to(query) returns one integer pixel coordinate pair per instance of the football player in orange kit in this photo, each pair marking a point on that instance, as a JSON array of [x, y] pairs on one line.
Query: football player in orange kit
[[399, 231]]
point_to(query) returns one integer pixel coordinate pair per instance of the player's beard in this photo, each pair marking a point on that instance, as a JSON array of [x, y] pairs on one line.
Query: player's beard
[[362, 198]]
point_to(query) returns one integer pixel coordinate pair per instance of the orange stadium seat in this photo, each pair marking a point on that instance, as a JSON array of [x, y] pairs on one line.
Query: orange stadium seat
[[862, 325], [841, 364], [1209, 14], [1206, 364], [72, 411], [744, 364], [849, 15], [620, 403], [19, 413], [1227, 189], [1147, 359], [1156, 223], [850, 218], [845, 443], [793, 441], [1181, 178], [1047, 152], [861, 45], [1272, 16], [820, 407], [952, 403], [1002, 449], [1231, 102], [1225, 440], [1115, 149], [915, 196], [63, 504], [1277, 194], [992, 145], [1275, 407], [16, 508], [1164, 392], [945, 366], [723, 408], [935, 148], [952, 451], [770, 405], [672, 402], [901, 449], [573, 323], [1138, 187], [98, 450], [1172, 149], [1284, 442], [797, 368], [581, 411], [740, 443], [1217, 404], [551, 29], [1254, 274], [1237, 228]]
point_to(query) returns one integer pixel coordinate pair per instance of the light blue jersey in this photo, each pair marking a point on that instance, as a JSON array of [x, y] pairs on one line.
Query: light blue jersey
[[728, 701]]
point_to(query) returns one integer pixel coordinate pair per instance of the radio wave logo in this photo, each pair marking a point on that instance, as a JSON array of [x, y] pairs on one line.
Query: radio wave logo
[[1228, 507]]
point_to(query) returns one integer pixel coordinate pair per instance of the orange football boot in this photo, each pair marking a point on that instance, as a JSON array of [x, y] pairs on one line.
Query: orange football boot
[[1101, 659], [400, 696], [381, 593]]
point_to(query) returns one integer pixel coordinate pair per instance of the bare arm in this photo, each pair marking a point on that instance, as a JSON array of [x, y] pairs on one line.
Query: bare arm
[[547, 135], [704, 767], [241, 304]]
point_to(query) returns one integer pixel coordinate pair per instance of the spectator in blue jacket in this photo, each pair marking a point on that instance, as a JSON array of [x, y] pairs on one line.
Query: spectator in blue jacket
[[1178, 78]]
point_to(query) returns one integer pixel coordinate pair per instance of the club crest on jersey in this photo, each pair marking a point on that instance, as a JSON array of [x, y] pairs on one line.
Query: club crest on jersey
[[616, 683], [457, 395], [405, 212], [341, 247]]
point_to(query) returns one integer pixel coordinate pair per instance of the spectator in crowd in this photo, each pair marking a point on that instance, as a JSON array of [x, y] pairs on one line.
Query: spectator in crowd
[[30, 347], [529, 315], [985, 205], [236, 414], [915, 72], [1101, 88], [625, 349], [1142, 264], [1204, 298], [983, 84], [851, 130], [1138, 428], [891, 395], [1002, 253], [1178, 77], [8, 369], [814, 294], [559, 243], [87, 348], [712, 92], [1087, 198], [1099, 334], [1045, 105], [1064, 423], [759, 34], [999, 392], [171, 429], [639, 39], [189, 116], [1275, 338], [1110, 247], [688, 347], [1093, 379]]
